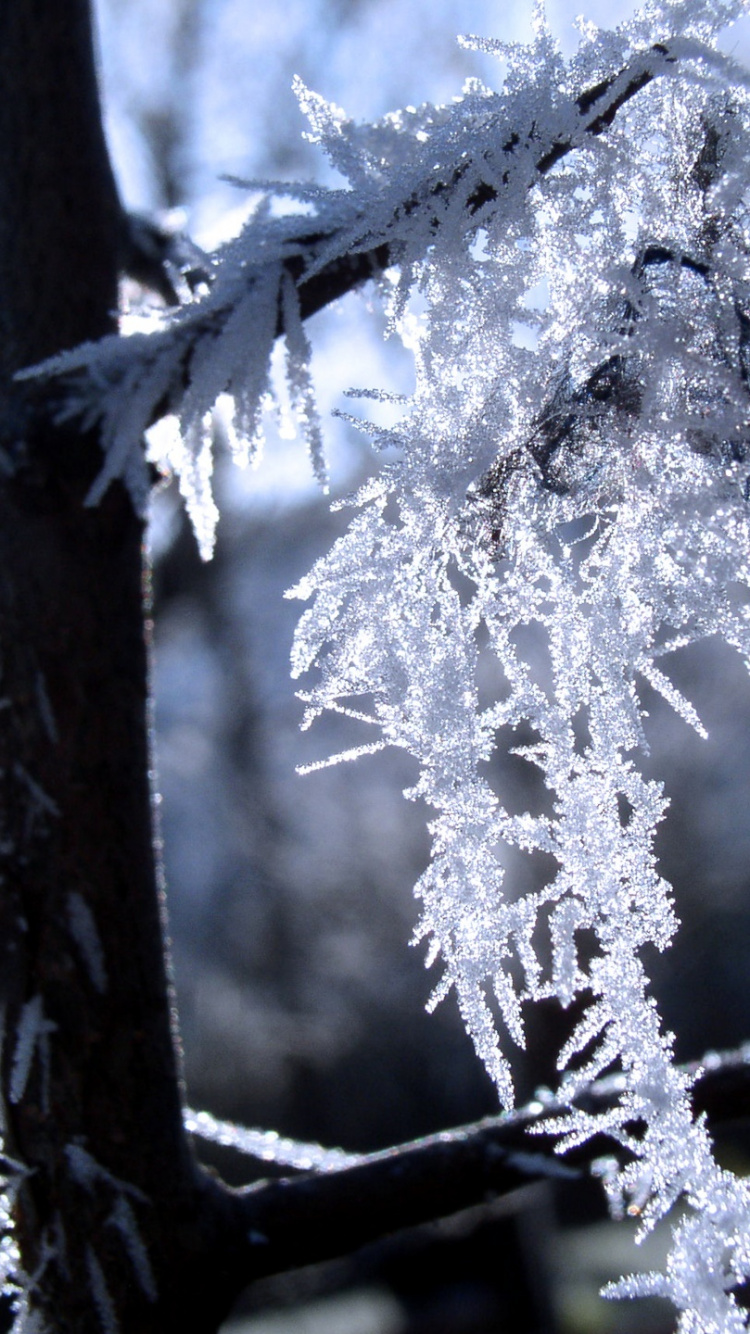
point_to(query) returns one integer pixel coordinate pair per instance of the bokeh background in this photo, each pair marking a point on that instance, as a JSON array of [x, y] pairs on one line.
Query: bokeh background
[[301, 1003]]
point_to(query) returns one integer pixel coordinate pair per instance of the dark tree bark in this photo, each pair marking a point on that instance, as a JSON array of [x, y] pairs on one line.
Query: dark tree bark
[[89, 1057]]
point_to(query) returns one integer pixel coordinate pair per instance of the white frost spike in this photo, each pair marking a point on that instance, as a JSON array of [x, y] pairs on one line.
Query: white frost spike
[[100, 1292], [87, 1172], [328, 127], [267, 1145], [300, 380], [124, 1220], [45, 709], [32, 1030], [673, 696], [40, 801], [195, 471], [28, 1321], [343, 757], [85, 933], [122, 433]]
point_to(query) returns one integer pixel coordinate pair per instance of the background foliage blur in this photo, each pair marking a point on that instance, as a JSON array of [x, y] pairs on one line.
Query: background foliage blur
[[289, 898]]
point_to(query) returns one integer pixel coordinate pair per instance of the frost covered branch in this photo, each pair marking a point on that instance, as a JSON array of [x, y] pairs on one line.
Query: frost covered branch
[[410, 177], [341, 1206], [161, 258]]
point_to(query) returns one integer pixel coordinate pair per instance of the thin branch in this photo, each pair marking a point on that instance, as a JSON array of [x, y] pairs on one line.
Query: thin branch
[[126, 384], [149, 249], [597, 108], [286, 1224], [161, 258], [315, 1217]]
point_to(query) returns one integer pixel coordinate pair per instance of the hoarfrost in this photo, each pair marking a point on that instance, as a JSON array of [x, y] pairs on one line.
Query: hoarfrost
[[123, 1219], [31, 1033], [45, 709], [267, 1145], [101, 1294], [28, 1321], [88, 1172], [590, 486], [413, 174], [85, 933], [40, 803]]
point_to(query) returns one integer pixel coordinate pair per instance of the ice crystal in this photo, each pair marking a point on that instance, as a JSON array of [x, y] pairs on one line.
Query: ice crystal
[[123, 1219], [267, 1145], [100, 1292], [85, 933], [32, 1036], [88, 1173], [572, 505]]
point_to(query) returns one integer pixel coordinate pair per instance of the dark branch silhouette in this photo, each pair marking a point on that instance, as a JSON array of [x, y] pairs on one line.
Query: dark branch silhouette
[[288, 1223]]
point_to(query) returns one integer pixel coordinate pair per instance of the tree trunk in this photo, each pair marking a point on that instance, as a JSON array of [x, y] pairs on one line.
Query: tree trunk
[[108, 1214]]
